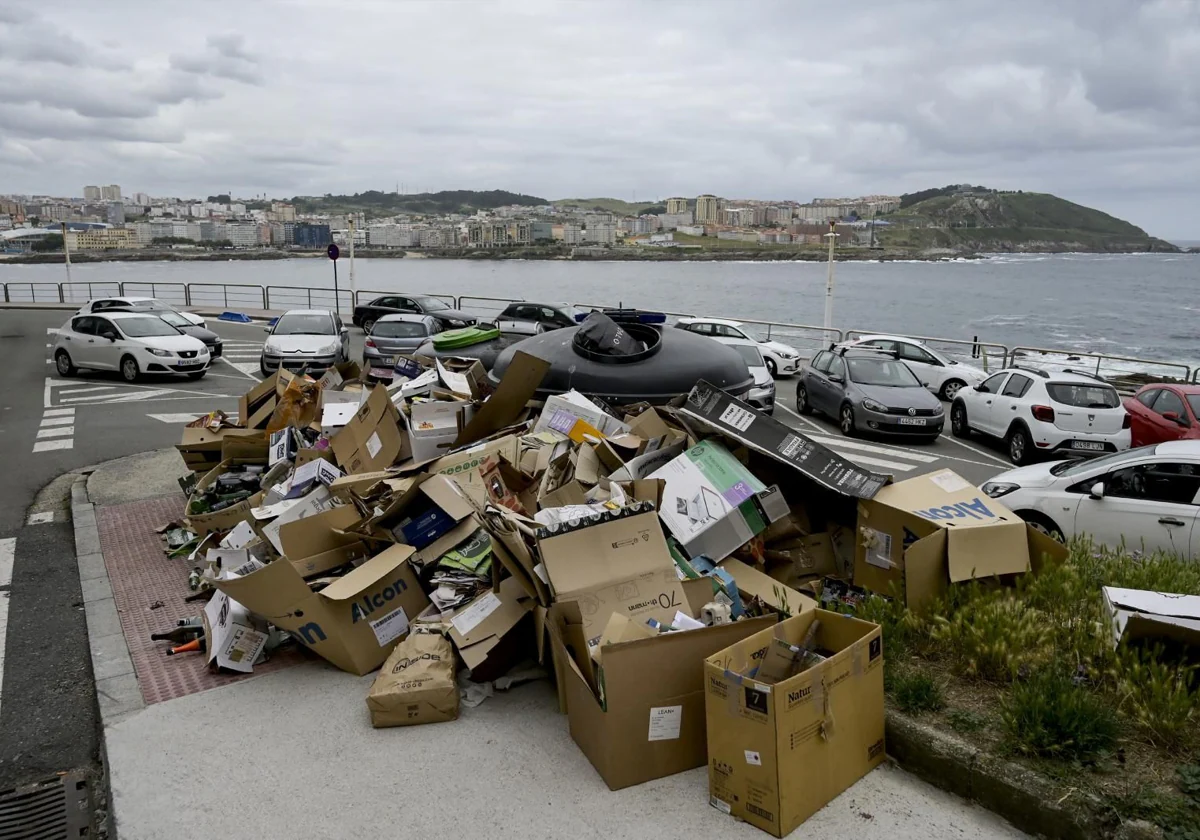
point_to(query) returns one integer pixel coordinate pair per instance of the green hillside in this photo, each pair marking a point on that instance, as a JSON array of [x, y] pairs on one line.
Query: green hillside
[[977, 218], [377, 203], [610, 205]]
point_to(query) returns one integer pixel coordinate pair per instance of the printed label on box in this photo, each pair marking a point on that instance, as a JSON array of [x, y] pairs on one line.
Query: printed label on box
[[950, 482], [391, 626], [374, 444], [469, 619], [879, 548], [752, 757], [720, 804], [665, 722], [737, 417]]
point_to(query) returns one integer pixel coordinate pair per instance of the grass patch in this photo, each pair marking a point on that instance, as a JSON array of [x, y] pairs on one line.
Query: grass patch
[[1050, 715], [916, 692], [965, 720]]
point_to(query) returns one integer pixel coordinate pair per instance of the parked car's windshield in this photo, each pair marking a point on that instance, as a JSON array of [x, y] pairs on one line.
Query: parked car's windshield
[[304, 325], [174, 319], [1194, 402], [147, 327], [1104, 462], [398, 329], [1083, 395], [881, 372], [431, 304]]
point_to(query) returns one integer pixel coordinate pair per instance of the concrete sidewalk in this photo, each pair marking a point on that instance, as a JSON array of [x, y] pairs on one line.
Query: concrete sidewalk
[[291, 754]]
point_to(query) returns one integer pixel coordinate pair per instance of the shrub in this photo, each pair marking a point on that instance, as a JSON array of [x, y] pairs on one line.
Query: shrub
[[1050, 716], [916, 692], [1158, 695], [964, 720], [994, 638]]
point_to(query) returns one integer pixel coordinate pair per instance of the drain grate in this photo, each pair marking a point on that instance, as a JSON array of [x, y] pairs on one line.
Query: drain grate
[[55, 809]]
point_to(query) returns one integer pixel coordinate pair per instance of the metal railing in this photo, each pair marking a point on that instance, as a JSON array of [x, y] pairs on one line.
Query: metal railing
[[1129, 369], [1103, 364], [984, 351]]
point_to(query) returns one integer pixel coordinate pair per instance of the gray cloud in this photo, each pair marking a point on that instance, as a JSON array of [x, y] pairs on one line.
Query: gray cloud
[[1095, 100]]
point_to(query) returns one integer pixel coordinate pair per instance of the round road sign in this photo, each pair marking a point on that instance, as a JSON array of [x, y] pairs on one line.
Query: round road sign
[[333, 252]]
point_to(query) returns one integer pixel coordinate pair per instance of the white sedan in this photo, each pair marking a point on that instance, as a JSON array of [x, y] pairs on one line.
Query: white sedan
[[1146, 498], [941, 374], [130, 343], [781, 359]]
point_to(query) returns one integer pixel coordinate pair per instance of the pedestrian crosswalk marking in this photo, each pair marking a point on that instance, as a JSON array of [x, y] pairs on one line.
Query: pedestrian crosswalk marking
[[48, 445], [842, 443], [56, 431], [57, 421], [59, 412], [174, 418]]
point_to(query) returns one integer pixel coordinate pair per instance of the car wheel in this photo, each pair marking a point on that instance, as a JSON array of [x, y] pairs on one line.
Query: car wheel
[[802, 405], [772, 369], [1042, 524], [951, 388], [368, 325], [197, 374], [959, 426], [63, 364], [129, 369], [1020, 447], [846, 420]]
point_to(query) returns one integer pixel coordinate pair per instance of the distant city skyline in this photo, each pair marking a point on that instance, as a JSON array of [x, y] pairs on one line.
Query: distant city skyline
[[1091, 102]]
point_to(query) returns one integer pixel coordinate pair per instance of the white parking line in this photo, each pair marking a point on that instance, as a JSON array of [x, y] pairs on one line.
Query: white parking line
[[8, 554], [867, 447], [174, 418], [86, 390], [247, 369], [867, 461], [47, 445], [977, 450]]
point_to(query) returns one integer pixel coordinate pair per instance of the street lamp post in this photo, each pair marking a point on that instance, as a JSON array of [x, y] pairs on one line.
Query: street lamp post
[[832, 237]]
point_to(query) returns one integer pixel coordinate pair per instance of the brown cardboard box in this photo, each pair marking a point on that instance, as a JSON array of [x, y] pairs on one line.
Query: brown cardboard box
[[256, 406], [222, 520], [753, 583], [315, 545], [778, 753], [937, 529], [516, 534], [345, 489], [521, 380], [372, 440], [464, 466], [354, 622], [494, 632], [201, 448], [811, 555], [419, 490], [652, 721]]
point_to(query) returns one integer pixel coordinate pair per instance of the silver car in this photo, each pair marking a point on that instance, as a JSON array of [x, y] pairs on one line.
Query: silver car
[[868, 391], [394, 335], [311, 340]]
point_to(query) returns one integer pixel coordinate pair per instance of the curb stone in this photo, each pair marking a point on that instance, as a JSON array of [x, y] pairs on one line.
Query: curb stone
[[1028, 800], [117, 691]]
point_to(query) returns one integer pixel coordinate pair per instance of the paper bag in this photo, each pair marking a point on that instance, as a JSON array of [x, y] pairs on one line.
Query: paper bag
[[416, 683]]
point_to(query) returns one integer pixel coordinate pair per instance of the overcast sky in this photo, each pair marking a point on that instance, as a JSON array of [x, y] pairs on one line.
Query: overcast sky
[[1096, 100]]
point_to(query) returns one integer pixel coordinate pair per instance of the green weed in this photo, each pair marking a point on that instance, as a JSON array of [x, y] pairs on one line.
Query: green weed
[[964, 720], [1050, 716], [915, 692], [1159, 696], [993, 638]]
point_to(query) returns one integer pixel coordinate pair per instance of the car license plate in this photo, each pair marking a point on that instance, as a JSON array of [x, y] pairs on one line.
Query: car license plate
[[387, 360], [1089, 445], [911, 421], [190, 362]]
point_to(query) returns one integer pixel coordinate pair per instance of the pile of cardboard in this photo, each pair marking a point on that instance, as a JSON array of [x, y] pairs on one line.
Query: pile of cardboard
[[647, 555]]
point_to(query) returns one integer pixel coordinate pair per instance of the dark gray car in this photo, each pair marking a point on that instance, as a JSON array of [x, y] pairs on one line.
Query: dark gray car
[[394, 335], [869, 392]]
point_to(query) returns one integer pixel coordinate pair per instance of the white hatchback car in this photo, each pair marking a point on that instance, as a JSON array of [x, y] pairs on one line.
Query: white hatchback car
[[305, 339], [131, 343], [1035, 411], [781, 359], [143, 303], [941, 374], [1145, 498]]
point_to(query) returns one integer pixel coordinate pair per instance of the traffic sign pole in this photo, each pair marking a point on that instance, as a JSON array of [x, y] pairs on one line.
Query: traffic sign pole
[[333, 253]]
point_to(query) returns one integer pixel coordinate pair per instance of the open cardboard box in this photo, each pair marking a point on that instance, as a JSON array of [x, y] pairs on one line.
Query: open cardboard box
[[651, 723], [922, 534], [227, 518], [202, 449], [318, 544], [354, 622], [372, 440], [493, 633]]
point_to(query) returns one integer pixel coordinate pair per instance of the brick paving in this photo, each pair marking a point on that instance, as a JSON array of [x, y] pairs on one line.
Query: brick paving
[[142, 576]]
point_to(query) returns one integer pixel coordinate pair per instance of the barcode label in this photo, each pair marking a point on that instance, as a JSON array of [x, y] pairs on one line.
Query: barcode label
[[391, 626], [737, 417]]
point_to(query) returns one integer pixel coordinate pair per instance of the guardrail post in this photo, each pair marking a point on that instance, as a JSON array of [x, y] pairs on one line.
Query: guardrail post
[[61, 299]]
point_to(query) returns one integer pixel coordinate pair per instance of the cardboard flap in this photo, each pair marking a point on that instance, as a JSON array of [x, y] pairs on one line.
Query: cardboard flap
[[595, 555], [510, 606], [976, 552], [271, 591], [317, 534], [368, 574], [750, 581], [924, 572], [520, 382], [1043, 550]]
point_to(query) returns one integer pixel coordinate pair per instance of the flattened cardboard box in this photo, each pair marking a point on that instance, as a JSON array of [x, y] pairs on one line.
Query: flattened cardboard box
[[652, 722], [735, 419], [779, 753], [937, 529], [354, 622]]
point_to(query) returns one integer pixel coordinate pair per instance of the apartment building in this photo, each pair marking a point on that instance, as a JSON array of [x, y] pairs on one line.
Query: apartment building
[[102, 239], [708, 209], [677, 206]]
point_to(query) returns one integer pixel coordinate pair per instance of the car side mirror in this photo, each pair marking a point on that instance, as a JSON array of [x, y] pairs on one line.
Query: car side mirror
[[266, 329], [981, 388], [924, 384], [1097, 491], [838, 379], [111, 336], [1174, 417]]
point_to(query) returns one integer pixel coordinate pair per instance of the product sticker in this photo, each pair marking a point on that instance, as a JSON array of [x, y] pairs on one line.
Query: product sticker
[[752, 757], [244, 645], [665, 722], [737, 417], [391, 626], [239, 536], [720, 804], [950, 482], [374, 444], [469, 619], [879, 548]]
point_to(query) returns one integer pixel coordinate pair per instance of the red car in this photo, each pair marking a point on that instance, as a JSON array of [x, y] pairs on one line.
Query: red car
[[1164, 412]]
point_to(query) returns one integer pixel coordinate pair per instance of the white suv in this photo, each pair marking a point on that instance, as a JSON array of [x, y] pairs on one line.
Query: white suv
[[1145, 498], [1037, 411], [782, 359]]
